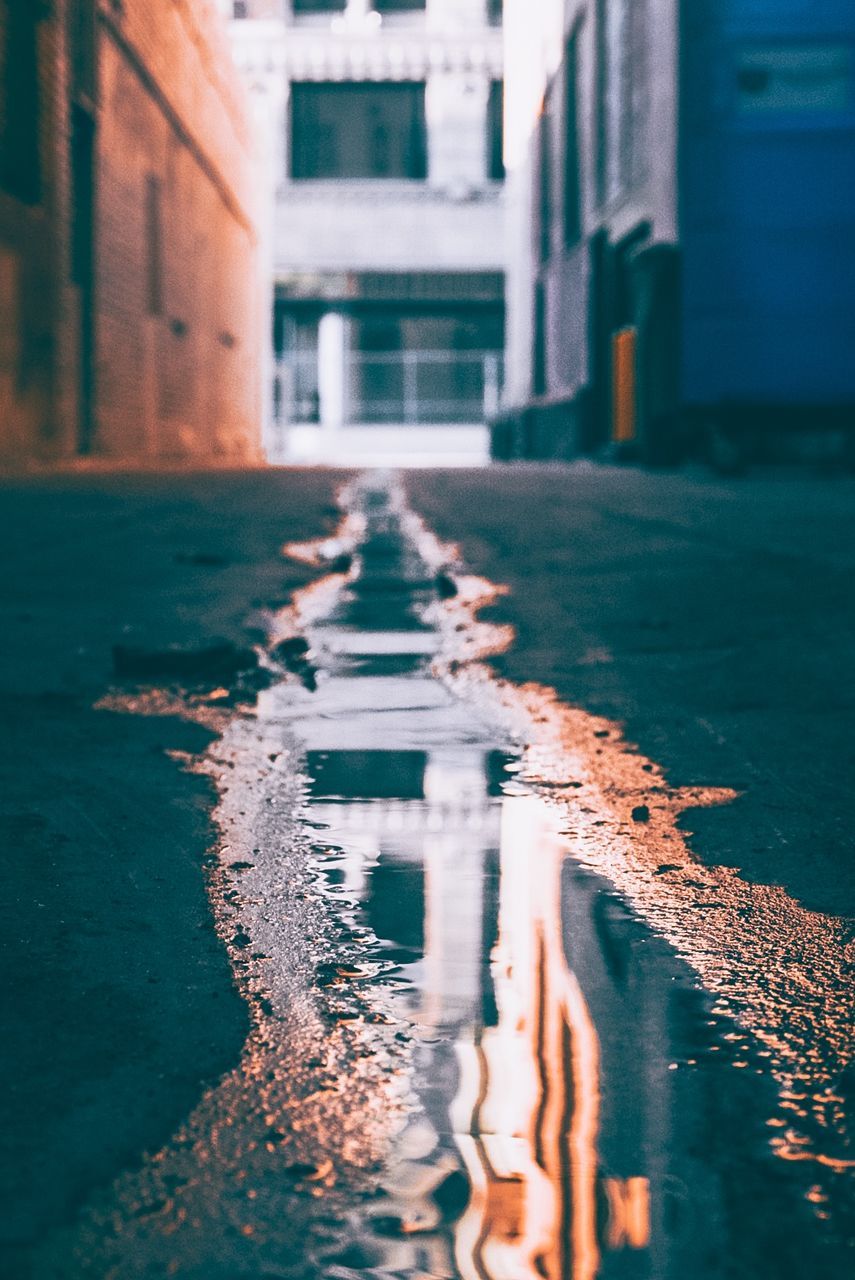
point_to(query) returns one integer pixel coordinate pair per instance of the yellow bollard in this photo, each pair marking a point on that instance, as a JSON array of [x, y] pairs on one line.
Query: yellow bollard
[[623, 385]]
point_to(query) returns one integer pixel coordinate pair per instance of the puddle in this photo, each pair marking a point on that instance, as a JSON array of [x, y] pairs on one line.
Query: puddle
[[471, 1055]]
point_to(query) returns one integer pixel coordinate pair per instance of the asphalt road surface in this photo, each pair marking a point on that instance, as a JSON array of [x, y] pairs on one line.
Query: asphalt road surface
[[118, 1000], [712, 621], [715, 620]]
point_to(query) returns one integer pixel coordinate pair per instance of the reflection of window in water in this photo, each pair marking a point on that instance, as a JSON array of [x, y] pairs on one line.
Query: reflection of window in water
[[367, 775], [395, 903]]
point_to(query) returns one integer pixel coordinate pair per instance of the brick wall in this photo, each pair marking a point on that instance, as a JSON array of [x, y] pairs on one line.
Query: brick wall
[[30, 239], [172, 298], [177, 319]]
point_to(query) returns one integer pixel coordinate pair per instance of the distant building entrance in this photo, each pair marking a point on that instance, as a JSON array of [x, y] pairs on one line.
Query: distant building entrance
[[418, 356]]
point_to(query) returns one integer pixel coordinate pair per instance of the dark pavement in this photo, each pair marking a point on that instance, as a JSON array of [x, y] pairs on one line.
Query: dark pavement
[[119, 1004], [715, 619]]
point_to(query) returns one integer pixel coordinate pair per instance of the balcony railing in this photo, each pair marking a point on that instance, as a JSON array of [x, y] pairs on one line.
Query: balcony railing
[[408, 388]]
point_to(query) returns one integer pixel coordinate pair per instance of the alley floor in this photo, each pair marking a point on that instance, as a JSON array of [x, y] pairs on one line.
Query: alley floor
[[320, 859], [715, 620]]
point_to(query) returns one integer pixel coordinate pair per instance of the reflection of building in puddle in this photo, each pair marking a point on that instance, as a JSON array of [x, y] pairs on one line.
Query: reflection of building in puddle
[[417, 825], [527, 1110], [499, 1176]]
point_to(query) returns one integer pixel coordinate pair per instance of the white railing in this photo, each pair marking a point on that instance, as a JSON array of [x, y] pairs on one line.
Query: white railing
[[395, 387]]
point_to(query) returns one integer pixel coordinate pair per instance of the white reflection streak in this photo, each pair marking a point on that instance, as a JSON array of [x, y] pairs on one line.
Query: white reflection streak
[[527, 1113]]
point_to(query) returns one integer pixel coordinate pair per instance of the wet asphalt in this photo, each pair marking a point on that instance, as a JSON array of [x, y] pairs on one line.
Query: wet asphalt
[[714, 619], [118, 999], [439, 1041]]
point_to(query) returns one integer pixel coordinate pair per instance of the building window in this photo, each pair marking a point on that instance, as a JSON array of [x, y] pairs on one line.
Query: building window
[[545, 176], [622, 96], [572, 169], [82, 163], [397, 6], [494, 12], [602, 83], [495, 132], [154, 246], [83, 49], [358, 130], [20, 101], [793, 78], [634, 93], [539, 376], [318, 6]]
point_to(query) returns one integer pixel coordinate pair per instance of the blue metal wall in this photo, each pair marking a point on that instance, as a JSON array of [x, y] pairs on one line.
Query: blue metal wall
[[767, 201]]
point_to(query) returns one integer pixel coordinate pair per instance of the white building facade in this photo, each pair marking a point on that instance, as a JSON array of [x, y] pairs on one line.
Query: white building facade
[[382, 129]]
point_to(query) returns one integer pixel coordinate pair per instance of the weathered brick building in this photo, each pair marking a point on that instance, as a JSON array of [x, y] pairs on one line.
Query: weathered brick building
[[28, 249], [129, 291]]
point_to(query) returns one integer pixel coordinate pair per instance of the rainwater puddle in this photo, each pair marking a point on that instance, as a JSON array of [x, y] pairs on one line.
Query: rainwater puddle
[[576, 1108], [470, 1056]]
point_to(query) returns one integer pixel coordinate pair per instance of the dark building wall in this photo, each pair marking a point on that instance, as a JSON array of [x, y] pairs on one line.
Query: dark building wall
[[767, 209], [602, 172], [31, 195], [716, 236]]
